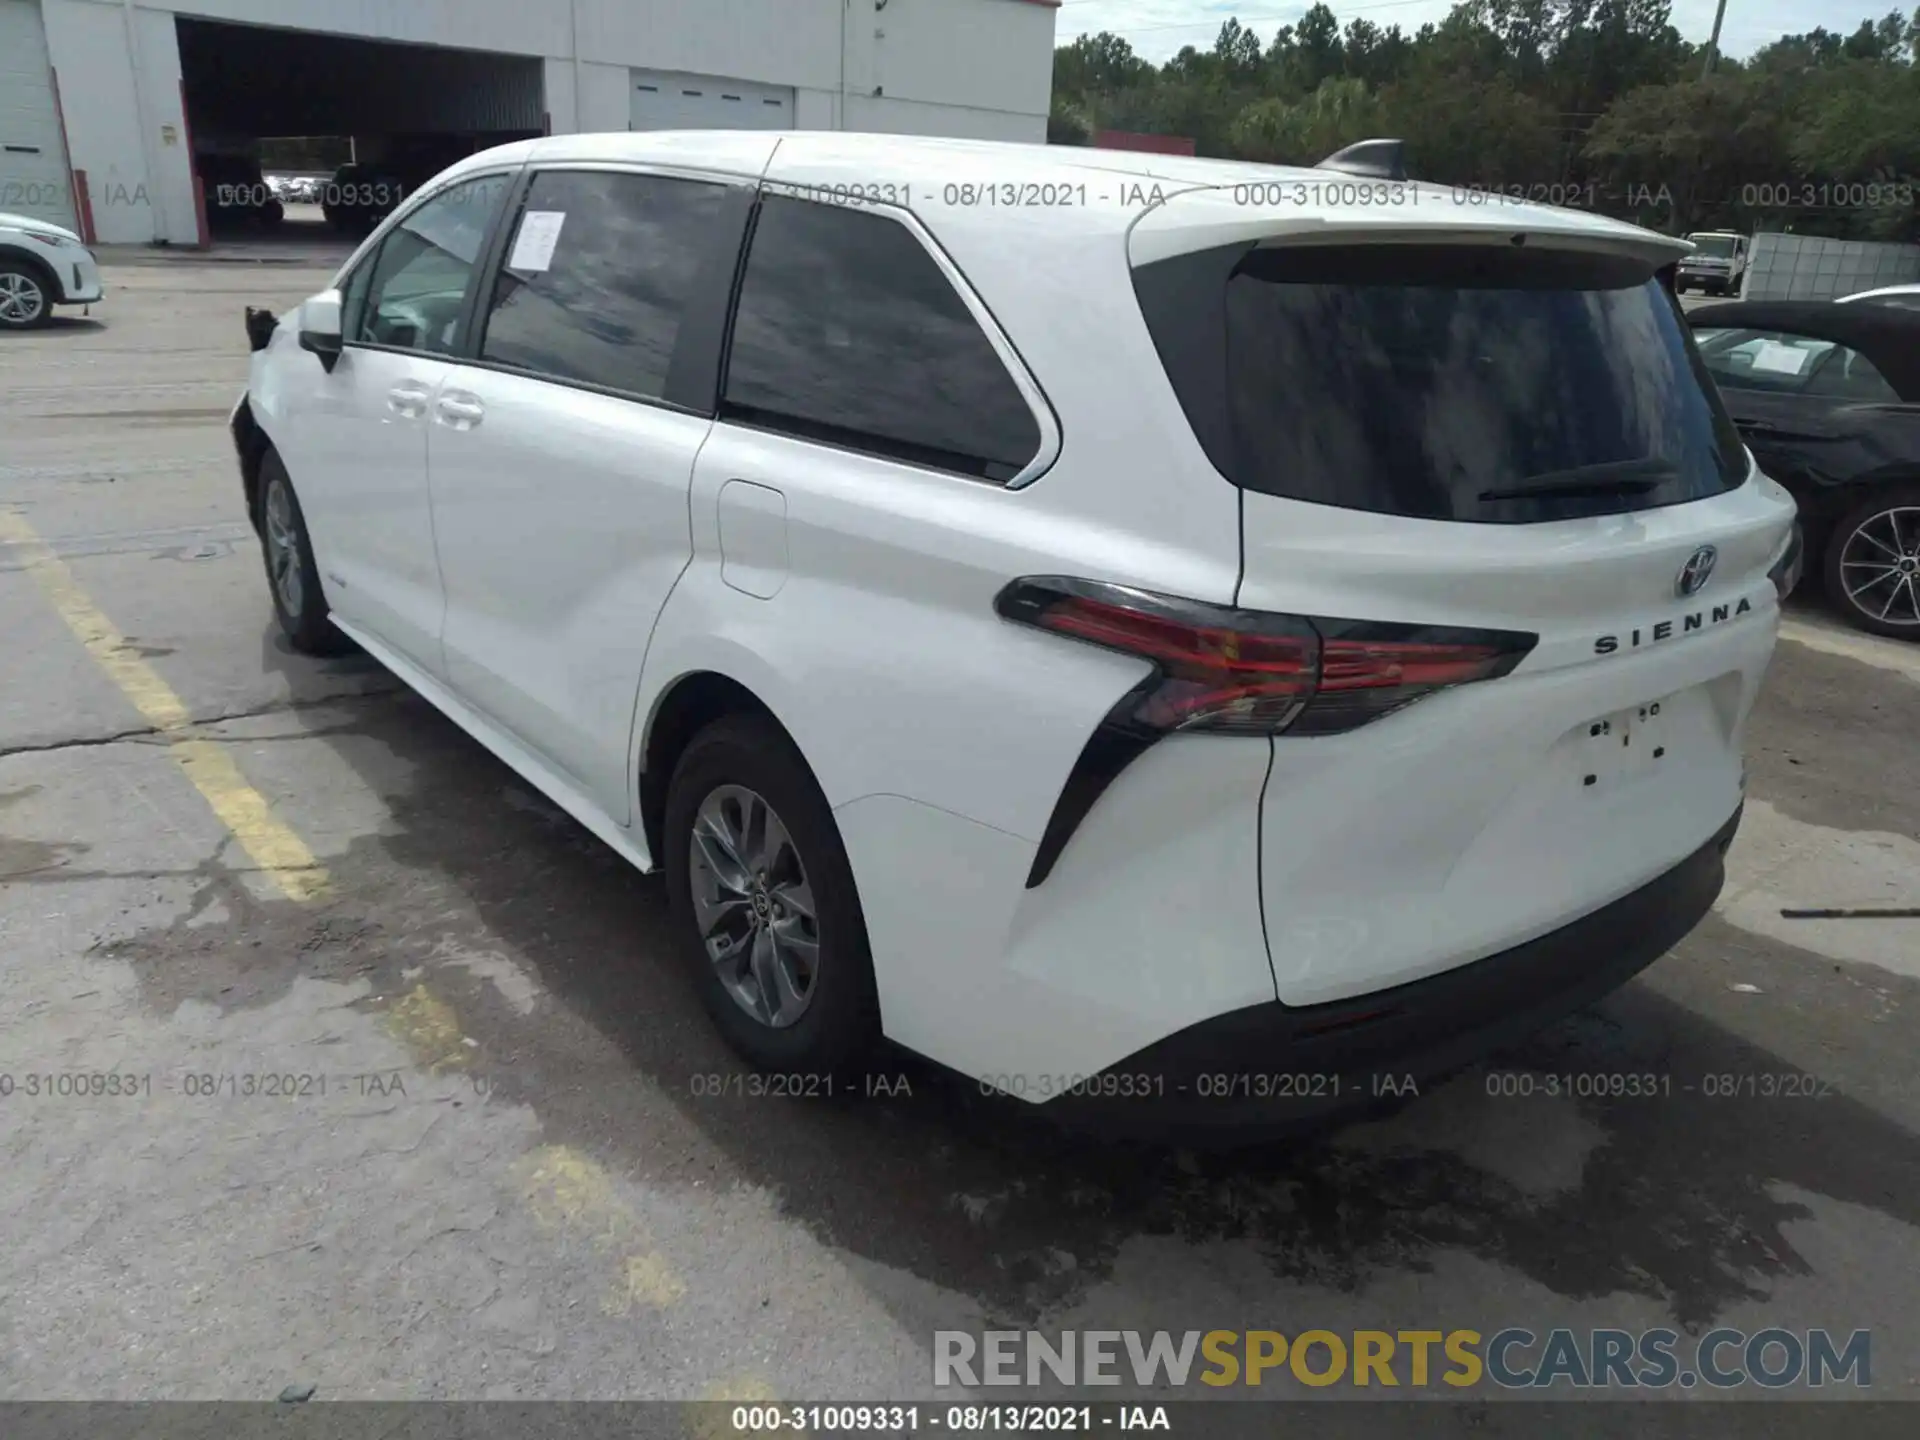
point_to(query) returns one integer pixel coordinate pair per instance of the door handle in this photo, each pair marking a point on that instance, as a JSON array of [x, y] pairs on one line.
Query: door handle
[[459, 411], [408, 400]]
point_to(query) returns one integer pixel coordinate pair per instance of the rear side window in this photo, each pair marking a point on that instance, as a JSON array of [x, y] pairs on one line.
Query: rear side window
[[849, 333], [597, 275], [1442, 382]]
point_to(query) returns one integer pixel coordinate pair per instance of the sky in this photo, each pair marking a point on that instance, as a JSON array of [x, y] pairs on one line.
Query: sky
[[1157, 29]]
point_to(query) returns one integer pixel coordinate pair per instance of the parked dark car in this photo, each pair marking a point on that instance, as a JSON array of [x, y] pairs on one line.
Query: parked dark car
[[364, 193], [1827, 396], [237, 193]]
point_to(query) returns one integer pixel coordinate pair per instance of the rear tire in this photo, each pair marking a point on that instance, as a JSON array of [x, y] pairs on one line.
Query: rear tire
[[1872, 568], [293, 579], [26, 302], [756, 874]]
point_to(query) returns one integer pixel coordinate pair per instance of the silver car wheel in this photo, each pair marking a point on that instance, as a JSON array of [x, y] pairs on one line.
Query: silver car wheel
[[22, 301], [283, 549], [1880, 566], [754, 906]]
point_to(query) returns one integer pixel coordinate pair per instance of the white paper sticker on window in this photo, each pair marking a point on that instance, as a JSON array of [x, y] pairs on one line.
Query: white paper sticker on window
[[539, 234], [1780, 359]]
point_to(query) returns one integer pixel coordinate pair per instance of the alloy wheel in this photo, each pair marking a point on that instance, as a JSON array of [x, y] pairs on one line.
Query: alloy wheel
[[1880, 566], [283, 549], [754, 906], [22, 301]]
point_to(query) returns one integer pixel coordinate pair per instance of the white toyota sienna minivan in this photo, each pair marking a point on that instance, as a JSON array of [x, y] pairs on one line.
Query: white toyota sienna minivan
[[1125, 627]]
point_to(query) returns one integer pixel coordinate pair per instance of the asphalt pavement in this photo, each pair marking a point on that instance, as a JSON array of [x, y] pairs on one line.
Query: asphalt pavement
[[421, 1104]]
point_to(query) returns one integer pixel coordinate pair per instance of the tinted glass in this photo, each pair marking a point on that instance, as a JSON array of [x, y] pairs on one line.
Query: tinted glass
[[849, 333], [1788, 364], [598, 274], [1846, 374], [1447, 383], [418, 280]]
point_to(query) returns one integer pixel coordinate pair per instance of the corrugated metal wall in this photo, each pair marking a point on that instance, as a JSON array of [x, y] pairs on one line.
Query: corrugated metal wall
[[249, 80], [1812, 267]]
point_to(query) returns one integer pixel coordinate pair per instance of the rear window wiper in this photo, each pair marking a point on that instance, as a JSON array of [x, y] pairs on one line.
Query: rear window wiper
[[1613, 477]]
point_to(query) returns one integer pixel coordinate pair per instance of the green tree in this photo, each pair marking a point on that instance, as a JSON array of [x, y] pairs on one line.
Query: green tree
[[1304, 132], [1690, 150], [1067, 124], [1856, 141], [1543, 91], [1097, 64], [1473, 132], [1374, 55]]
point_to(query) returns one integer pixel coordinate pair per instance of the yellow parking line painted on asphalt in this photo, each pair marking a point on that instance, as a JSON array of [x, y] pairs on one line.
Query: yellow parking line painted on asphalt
[[570, 1193], [241, 808], [711, 1416]]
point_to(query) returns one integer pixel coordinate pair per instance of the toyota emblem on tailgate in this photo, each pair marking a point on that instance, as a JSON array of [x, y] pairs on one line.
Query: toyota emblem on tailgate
[[1693, 574]]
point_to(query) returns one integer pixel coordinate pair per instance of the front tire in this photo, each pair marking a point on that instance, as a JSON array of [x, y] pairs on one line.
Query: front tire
[[292, 577], [25, 301], [1873, 564], [765, 903]]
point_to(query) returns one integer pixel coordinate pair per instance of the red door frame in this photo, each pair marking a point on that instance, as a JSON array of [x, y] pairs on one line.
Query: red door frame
[[76, 179], [193, 174]]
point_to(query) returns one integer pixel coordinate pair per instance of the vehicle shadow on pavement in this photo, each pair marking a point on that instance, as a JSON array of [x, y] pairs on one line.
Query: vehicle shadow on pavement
[[1681, 1199]]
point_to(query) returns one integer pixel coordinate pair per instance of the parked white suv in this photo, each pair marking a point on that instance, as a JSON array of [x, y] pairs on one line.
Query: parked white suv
[[42, 265], [1123, 626]]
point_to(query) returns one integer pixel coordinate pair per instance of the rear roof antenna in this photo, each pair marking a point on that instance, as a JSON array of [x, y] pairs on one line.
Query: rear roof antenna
[[1374, 159]]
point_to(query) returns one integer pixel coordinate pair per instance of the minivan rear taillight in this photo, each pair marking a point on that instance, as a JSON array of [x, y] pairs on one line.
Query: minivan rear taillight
[[1251, 672], [1785, 573], [1238, 672]]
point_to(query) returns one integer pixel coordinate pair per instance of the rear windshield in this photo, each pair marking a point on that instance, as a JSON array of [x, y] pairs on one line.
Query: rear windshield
[[1442, 383]]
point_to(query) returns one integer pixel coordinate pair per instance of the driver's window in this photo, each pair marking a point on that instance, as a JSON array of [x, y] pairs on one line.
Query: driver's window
[[416, 286]]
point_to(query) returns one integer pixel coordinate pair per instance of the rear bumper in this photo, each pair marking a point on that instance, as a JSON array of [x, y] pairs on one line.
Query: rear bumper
[[1715, 280], [1275, 1068]]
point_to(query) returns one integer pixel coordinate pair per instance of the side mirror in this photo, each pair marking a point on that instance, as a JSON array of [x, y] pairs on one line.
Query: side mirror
[[320, 327], [260, 326]]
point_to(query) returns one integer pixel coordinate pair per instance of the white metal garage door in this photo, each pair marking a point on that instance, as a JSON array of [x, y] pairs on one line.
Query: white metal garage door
[[666, 100], [33, 162]]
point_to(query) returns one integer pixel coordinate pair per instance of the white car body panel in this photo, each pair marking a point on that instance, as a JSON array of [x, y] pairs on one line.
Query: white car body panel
[[529, 764], [550, 575], [364, 427], [73, 266], [1907, 295], [560, 519]]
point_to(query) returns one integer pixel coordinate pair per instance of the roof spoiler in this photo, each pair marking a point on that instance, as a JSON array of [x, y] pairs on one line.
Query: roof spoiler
[[1373, 159]]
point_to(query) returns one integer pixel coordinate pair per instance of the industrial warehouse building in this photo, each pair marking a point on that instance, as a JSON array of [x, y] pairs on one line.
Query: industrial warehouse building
[[104, 104]]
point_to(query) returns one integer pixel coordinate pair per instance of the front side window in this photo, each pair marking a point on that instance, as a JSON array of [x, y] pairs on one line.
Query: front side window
[[415, 286], [849, 333], [598, 274]]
